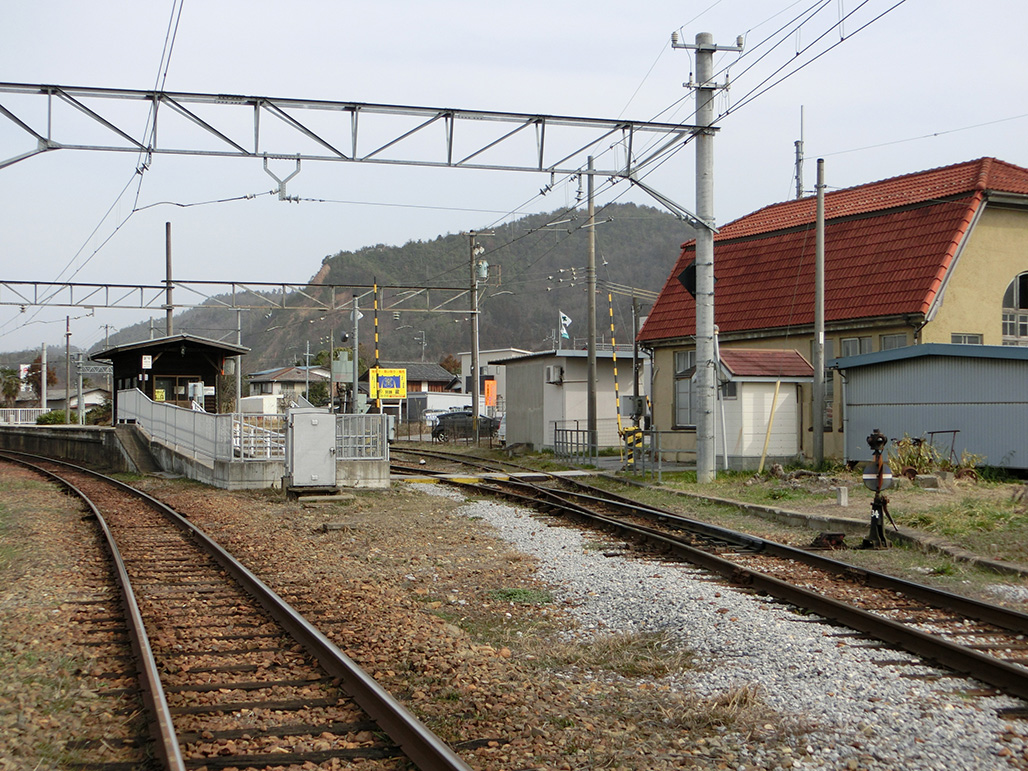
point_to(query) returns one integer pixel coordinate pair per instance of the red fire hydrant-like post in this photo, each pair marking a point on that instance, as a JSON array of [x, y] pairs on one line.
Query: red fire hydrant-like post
[[878, 477]]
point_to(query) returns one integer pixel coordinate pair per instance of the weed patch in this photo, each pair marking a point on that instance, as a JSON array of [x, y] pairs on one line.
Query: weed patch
[[522, 596], [630, 654]]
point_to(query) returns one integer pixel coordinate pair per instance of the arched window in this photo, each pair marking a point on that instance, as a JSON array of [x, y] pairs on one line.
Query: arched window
[[1015, 312]]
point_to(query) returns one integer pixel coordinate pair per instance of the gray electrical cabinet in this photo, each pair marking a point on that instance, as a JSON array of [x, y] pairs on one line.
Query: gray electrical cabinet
[[311, 448]]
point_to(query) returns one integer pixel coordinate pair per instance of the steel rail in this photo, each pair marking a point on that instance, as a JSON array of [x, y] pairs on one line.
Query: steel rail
[[1008, 678], [426, 750], [1012, 620], [166, 742]]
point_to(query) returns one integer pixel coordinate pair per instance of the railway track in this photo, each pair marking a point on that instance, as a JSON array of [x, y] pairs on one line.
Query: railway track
[[230, 675], [984, 641]]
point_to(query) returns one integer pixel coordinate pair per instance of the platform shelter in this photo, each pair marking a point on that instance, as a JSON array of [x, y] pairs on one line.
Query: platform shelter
[[177, 370]]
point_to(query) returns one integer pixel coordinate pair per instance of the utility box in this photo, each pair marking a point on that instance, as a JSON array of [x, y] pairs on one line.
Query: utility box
[[311, 449]]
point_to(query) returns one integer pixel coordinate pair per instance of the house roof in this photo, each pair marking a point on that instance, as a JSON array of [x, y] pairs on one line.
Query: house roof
[[288, 375], [417, 370], [744, 362], [888, 246], [566, 353]]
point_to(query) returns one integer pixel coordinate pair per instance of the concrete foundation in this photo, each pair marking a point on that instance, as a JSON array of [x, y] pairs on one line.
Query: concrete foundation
[[101, 447], [94, 446]]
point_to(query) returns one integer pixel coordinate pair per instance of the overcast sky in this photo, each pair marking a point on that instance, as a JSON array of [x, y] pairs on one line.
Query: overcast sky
[[930, 83]]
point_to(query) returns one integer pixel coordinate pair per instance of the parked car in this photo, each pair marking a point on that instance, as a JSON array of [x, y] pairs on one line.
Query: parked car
[[457, 425]]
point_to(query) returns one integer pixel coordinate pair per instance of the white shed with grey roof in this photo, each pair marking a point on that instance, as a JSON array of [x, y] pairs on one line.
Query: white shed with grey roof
[[963, 398]]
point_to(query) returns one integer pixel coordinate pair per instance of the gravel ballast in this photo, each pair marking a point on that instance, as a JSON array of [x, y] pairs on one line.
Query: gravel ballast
[[419, 589], [863, 714]]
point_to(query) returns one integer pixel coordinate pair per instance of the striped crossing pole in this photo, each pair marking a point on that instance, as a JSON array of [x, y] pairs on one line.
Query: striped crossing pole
[[614, 348], [378, 401]]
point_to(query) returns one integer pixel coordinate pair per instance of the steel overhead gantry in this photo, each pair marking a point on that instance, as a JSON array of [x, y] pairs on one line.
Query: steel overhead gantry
[[230, 295], [322, 130]]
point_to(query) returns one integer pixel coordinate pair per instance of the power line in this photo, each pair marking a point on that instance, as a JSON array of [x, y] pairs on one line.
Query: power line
[[923, 136], [757, 92]]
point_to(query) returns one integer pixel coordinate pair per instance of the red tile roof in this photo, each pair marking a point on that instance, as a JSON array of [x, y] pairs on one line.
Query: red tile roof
[[765, 363], [888, 246]]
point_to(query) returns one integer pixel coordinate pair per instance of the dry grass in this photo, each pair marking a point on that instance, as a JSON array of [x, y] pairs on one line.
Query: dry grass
[[631, 654]]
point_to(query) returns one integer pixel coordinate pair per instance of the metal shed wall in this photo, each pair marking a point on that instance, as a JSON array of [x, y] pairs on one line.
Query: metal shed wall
[[985, 399]]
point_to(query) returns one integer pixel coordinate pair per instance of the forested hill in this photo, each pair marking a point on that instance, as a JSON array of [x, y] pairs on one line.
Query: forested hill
[[536, 269]]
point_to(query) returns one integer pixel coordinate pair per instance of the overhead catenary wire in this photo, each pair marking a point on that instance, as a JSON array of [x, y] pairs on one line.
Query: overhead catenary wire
[[141, 165]]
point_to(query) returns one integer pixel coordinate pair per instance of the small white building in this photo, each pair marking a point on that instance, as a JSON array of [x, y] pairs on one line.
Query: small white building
[[489, 371], [289, 382], [549, 390], [92, 396], [758, 411]]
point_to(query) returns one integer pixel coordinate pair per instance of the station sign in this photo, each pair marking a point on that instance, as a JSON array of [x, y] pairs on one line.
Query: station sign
[[387, 383]]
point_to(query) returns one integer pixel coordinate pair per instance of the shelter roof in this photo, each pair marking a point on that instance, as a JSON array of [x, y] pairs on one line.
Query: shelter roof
[[163, 343], [888, 246]]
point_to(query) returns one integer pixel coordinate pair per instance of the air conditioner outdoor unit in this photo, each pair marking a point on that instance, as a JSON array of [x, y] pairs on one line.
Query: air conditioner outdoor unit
[[554, 374]]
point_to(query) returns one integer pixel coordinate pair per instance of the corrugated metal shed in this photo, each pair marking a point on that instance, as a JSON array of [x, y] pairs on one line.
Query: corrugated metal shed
[[979, 391]]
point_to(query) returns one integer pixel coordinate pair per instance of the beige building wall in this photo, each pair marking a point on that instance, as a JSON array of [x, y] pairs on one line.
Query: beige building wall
[[972, 299]]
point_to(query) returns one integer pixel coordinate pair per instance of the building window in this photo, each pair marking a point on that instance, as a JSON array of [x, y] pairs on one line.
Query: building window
[[1015, 312], [685, 367], [889, 342], [853, 346], [965, 338], [730, 390]]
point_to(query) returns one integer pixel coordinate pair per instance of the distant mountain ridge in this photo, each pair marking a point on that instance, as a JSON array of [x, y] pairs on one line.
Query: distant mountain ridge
[[535, 270]]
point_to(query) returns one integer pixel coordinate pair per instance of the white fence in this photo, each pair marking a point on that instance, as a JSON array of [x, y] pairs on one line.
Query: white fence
[[196, 434], [21, 415], [244, 436]]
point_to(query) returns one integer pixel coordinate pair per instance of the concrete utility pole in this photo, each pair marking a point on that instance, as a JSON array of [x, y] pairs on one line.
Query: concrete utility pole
[[818, 418], [78, 370], [799, 159], [476, 250], [704, 380], [239, 361], [356, 366], [42, 378], [167, 260], [67, 369], [590, 280]]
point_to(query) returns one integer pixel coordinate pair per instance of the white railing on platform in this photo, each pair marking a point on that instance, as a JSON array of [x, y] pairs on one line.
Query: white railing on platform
[[258, 437], [245, 436], [196, 434], [21, 415], [362, 437]]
